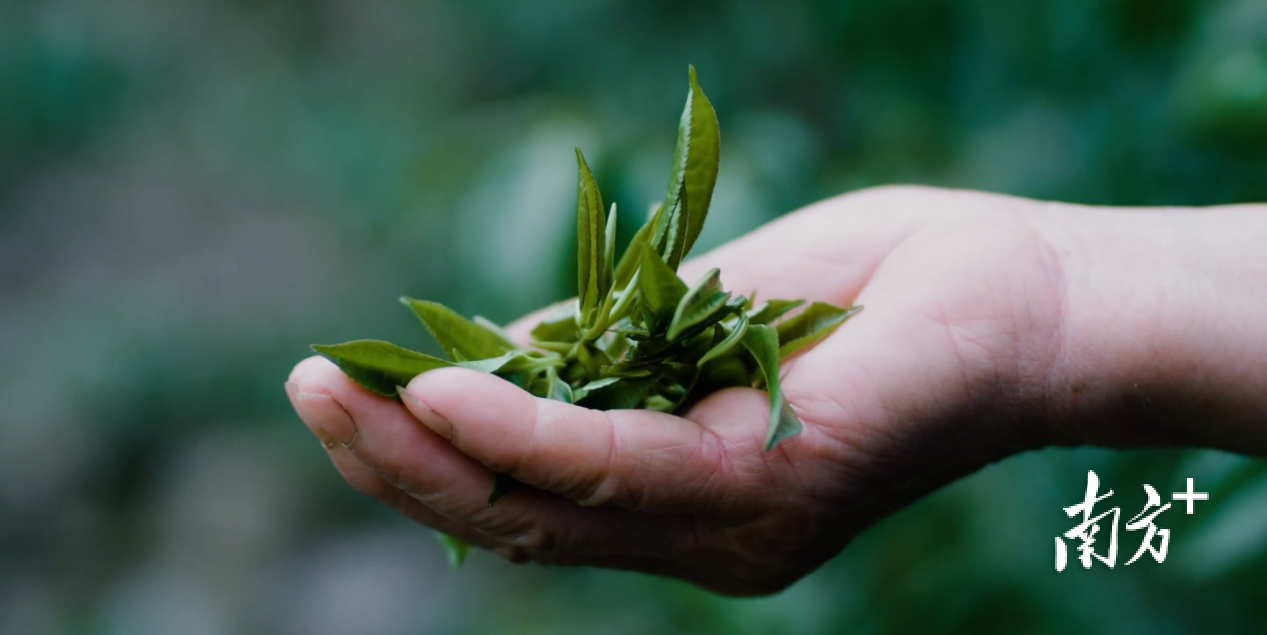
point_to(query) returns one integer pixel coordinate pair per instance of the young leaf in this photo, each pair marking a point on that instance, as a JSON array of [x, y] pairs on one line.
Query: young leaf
[[763, 343], [456, 549], [622, 394], [734, 335], [609, 245], [592, 271], [695, 163], [621, 310], [497, 330], [459, 337], [632, 258], [808, 326], [605, 311], [559, 389], [660, 287], [700, 303], [516, 361], [772, 310], [378, 366]]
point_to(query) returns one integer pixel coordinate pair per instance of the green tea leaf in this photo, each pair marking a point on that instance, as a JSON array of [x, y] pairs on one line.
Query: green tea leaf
[[659, 285], [810, 325], [632, 258], [456, 549], [625, 302], [378, 366], [503, 484], [559, 389], [516, 361], [701, 302], [609, 246], [763, 343], [459, 337], [600, 383], [734, 334], [593, 272], [606, 311], [726, 371], [496, 329], [622, 394], [559, 325], [695, 163], [772, 310]]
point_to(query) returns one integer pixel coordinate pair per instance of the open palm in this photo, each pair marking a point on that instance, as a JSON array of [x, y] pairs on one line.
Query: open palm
[[945, 371]]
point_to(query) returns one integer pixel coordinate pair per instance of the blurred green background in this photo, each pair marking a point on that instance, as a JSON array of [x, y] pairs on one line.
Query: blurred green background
[[191, 192]]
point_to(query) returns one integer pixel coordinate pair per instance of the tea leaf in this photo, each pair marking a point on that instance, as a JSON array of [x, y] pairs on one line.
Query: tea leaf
[[459, 337], [378, 366], [622, 394], [772, 310], [763, 343], [593, 274], [725, 372], [734, 335], [632, 258], [606, 312], [695, 163], [559, 389], [516, 361], [671, 227], [700, 303], [559, 325], [456, 549], [627, 297], [590, 357], [600, 383], [503, 484], [507, 340], [660, 287], [808, 326], [609, 245]]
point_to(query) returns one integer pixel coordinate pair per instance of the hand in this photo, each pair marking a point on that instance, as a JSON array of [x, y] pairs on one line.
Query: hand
[[961, 357]]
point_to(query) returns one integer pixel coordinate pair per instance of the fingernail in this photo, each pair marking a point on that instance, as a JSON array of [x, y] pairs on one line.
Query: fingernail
[[327, 419], [429, 417]]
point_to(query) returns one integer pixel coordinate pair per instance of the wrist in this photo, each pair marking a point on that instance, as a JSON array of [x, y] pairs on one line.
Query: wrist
[[1165, 327]]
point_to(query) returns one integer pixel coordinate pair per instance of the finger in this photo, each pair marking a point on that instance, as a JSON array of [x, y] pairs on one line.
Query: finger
[[635, 459], [392, 442], [321, 413], [824, 252]]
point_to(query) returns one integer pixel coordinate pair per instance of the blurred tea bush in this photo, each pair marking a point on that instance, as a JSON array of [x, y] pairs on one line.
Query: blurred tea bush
[[192, 192]]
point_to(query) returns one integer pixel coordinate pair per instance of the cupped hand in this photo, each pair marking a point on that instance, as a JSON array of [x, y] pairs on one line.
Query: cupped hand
[[946, 370]]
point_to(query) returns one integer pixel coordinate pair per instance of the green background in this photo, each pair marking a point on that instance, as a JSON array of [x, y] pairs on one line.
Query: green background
[[191, 192]]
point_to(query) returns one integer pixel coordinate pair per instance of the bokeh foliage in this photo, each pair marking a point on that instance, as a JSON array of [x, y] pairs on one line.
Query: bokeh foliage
[[191, 192]]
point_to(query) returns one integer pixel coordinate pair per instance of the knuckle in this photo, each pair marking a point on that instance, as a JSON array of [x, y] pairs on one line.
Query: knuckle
[[599, 487]]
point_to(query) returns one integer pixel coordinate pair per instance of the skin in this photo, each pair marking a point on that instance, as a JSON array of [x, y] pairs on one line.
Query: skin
[[993, 325]]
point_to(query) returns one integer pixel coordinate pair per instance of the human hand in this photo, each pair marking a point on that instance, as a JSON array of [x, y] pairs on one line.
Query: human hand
[[980, 339]]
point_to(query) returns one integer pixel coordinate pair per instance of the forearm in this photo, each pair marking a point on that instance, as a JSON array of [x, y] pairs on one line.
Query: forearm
[[1165, 327]]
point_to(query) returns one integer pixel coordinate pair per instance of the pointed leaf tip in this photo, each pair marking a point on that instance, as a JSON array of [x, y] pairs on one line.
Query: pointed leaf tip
[[762, 342], [593, 274], [811, 325], [695, 163], [459, 337], [378, 366]]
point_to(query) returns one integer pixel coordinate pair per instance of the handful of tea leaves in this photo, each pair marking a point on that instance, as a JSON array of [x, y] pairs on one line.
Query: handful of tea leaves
[[636, 336]]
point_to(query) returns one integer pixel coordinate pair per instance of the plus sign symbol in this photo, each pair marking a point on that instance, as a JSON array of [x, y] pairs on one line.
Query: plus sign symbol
[[1190, 496]]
